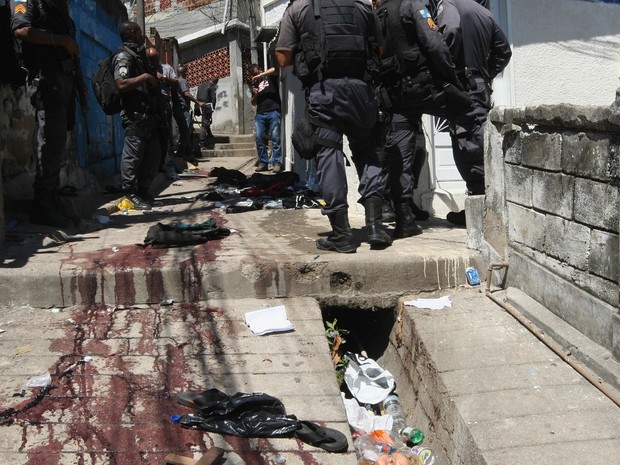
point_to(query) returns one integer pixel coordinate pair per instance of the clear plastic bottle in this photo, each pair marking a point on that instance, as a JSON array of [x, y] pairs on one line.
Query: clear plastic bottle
[[370, 447], [423, 455], [391, 406], [413, 436]]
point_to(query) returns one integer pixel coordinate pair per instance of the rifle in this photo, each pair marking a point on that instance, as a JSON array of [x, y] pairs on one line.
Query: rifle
[[81, 93]]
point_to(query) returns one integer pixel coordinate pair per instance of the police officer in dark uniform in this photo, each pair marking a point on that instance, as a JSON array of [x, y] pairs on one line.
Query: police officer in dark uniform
[[480, 51], [413, 41], [340, 100], [49, 51], [207, 92], [167, 80], [140, 116]]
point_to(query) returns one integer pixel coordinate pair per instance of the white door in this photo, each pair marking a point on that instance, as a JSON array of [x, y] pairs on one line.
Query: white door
[[447, 188]]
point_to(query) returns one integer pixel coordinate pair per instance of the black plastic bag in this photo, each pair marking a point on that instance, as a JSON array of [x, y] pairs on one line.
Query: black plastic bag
[[255, 415]]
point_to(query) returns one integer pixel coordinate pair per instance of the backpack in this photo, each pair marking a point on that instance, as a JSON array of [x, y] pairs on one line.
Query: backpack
[[408, 80], [203, 92], [104, 87], [13, 71], [335, 42]]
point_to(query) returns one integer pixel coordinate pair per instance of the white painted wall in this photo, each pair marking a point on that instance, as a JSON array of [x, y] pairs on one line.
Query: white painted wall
[[564, 51]]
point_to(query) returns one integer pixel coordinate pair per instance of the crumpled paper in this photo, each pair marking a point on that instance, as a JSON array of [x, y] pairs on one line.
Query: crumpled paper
[[433, 304]]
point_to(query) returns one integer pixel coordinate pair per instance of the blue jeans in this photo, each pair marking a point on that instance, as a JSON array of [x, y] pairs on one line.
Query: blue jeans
[[268, 123]]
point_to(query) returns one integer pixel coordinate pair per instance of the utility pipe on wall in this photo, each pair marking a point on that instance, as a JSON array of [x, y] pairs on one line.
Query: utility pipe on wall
[[579, 367]]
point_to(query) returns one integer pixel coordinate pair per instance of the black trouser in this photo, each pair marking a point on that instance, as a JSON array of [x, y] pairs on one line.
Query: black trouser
[[165, 134], [182, 118], [468, 143], [398, 153], [347, 106], [141, 156], [205, 126], [53, 98]]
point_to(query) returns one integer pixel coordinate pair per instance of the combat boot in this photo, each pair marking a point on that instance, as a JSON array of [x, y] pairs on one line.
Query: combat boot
[[405, 222], [341, 238], [377, 236], [387, 212]]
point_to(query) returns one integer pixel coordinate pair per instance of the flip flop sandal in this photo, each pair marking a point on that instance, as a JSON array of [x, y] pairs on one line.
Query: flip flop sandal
[[327, 439]]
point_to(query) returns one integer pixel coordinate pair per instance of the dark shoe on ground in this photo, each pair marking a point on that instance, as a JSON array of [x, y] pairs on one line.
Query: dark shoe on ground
[[277, 168], [377, 236], [419, 213], [340, 245], [139, 203], [405, 222], [387, 212], [457, 218], [260, 168]]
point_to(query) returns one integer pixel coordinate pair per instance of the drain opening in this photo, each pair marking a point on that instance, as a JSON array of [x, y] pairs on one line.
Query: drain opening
[[367, 332]]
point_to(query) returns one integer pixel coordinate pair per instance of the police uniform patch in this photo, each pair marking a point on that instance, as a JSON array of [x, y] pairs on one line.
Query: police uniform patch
[[429, 19], [20, 7]]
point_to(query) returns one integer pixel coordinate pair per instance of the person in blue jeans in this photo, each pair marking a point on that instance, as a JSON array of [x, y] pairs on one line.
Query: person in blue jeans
[[266, 98]]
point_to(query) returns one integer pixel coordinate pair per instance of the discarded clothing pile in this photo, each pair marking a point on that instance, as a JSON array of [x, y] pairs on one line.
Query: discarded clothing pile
[[254, 415], [260, 191], [180, 234]]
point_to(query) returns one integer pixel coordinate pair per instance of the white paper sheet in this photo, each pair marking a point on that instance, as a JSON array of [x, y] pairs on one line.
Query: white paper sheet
[[268, 320], [433, 304]]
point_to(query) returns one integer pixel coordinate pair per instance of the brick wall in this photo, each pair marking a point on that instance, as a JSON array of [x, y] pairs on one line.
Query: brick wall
[[553, 209], [193, 4], [216, 63], [149, 7], [153, 6]]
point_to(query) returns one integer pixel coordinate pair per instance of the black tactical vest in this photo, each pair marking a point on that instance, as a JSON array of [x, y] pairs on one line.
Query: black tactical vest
[[401, 56], [334, 43]]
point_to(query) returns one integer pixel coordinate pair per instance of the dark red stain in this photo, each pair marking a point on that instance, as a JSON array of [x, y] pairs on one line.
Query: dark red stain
[[91, 269], [104, 412], [191, 270], [107, 412]]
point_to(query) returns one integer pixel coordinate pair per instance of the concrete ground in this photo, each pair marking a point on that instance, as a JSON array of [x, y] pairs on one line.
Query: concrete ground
[[158, 322]]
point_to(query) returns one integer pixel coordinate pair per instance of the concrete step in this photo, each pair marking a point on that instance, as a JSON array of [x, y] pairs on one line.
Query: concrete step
[[491, 392], [235, 146], [220, 152], [142, 358], [234, 138], [271, 253]]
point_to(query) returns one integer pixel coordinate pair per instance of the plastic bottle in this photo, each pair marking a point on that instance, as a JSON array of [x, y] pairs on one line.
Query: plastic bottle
[[370, 447], [391, 406], [424, 455], [412, 435]]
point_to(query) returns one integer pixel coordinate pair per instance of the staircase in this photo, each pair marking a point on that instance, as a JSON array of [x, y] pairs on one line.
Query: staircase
[[232, 145]]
